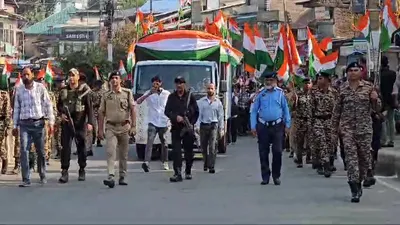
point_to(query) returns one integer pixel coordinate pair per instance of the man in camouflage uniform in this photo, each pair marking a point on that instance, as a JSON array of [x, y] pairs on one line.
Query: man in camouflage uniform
[[5, 118], [57, 132], [97, 92], [290, 95], [352, 118], [301, 112], [17, 160], [323, 100]]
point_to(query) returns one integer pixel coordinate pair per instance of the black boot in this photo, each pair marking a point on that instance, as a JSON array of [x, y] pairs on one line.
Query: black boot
[[64, 177], [354, 192], [4, 166], [188, 172], [308, 159], [291, 155], [370, 180], [320, 169], [89, 153], [332, 163], [327, 170], [81, 174], [17, 166], [177, 176], [99, 143], [110, 181], [299, 161], [360, 191]]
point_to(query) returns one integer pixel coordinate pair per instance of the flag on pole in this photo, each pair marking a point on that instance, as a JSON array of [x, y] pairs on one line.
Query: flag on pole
[[329, 62], [389, 25], [7, 69], [49, 73], [264, 60], [283, 72], [220, 22], [282, 49], [234, 31], [250, 59], [122, 69], [326, 45], [294, 60], [314, 55], [41, 74], [139, 21], [363, 25], [131, 58]]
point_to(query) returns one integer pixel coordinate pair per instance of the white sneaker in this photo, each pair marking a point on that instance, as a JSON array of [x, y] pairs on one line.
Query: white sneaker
[[165, 165]]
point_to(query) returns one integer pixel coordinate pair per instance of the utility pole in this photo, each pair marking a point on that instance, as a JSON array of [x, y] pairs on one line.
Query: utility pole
[[110, 8], [374, 7], [151, 6]]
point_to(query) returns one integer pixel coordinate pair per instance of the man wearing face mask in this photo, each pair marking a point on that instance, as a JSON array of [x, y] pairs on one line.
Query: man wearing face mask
[[76, 121], [158, 123], [211, 121], [182, 110], [352, 118], [32, 105], [302, 122], [270, 119]]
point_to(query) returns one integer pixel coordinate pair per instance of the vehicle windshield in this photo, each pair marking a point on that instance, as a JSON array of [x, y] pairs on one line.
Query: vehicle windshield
[[196, 76]]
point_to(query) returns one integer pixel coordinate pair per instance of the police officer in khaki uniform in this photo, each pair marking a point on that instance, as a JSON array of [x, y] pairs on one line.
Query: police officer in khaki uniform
[[117, 109]]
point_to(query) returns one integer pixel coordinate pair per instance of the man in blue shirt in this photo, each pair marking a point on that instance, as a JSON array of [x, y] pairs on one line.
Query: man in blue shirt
[[270, 119]]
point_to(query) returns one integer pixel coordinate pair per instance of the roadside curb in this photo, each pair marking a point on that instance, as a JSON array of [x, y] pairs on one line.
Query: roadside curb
[[388, 162]]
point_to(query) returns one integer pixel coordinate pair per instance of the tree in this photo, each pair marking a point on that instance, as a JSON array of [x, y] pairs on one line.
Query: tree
[[36, 10], [123, 38], [85, 61], [128, 4]]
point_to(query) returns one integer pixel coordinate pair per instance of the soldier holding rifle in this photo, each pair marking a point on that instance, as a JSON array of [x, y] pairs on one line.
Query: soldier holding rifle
[[183, 112], [75, 107]]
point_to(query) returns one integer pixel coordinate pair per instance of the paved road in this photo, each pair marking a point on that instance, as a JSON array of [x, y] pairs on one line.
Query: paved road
[[232, 195]]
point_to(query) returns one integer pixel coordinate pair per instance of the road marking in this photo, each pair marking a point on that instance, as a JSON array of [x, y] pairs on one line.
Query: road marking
[[384, 183]]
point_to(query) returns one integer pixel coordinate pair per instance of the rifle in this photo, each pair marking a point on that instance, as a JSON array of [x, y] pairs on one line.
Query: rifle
[[71, 123], [187, 126]]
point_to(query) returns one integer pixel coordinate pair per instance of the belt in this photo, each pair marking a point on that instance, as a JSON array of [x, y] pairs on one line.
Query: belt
[[32, 120], [208, 124], [270, 123], [118, 123], [324, 117]]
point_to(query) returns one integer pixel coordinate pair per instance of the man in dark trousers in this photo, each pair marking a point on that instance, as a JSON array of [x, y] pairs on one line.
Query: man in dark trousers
[[182, 110], [75, 107], [270, 119], [388, 79]]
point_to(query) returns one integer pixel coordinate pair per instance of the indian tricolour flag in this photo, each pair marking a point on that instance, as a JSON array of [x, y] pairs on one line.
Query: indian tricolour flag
[[249, 53], [7, 70], [295, 60], [314, 55], [122, 69], [139, 20], [282, 49], [221, 24], [234, 31], [326, 45], [329, 62], [283, 72], [389, 25], [48, 77], [264, 60], [230, 54], [363, 25], [130, 62]]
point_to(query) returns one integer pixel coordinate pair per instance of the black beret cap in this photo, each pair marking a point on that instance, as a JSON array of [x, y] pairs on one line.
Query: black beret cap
[[179, 80], [113, 74], [269, 74], [353, 65]]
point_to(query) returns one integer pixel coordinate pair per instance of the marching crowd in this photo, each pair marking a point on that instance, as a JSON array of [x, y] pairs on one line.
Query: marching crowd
[[311, 120]]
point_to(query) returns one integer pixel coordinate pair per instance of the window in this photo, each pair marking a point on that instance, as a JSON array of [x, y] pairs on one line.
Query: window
[[1, 32], [12, 35]]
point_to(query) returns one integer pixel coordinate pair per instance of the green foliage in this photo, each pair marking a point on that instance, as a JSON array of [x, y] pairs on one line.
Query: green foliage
[[128, 4], [36, 10], [85, 61]]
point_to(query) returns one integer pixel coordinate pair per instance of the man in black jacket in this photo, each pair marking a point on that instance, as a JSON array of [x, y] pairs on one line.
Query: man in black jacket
[[181, 111]]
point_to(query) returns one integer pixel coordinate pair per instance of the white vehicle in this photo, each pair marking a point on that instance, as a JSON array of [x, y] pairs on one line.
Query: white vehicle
[[155, 59]]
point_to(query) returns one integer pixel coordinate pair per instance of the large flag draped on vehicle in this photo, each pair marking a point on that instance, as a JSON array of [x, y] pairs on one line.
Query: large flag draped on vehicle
[[250, 59], [264, 61], [389, 25], [187, 45]]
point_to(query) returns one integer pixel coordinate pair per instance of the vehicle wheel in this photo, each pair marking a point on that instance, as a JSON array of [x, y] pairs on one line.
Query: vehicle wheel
[[140, 151], [222, 145]]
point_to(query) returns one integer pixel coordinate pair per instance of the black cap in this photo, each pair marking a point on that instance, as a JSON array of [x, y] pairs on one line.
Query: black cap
[[113, 74], [306, 80], [269, 74], [155, 78], [353, 65], [180, 80], [324, 74]]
